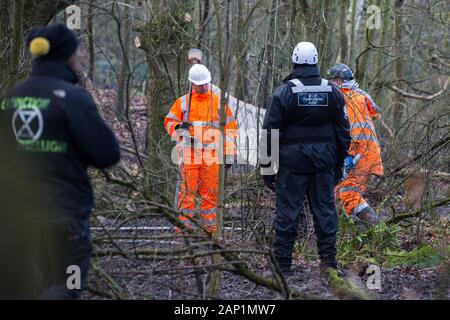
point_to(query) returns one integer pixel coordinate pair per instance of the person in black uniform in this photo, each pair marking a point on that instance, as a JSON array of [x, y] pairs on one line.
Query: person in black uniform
[[51, 133], [308, 115]]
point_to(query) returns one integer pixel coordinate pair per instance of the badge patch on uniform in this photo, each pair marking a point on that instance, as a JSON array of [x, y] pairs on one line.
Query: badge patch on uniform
[[309, 99], [59, 93]]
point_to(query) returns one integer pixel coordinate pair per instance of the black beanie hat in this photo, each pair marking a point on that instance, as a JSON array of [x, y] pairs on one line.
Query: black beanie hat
[[54, 42]]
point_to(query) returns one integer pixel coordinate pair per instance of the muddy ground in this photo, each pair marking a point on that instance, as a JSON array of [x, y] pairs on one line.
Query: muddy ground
[[147, 278], [152, 280]]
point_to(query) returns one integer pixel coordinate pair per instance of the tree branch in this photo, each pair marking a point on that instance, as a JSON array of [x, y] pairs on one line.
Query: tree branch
[[421, 97]]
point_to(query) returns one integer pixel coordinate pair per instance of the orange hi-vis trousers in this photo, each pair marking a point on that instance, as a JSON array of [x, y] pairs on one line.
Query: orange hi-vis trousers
[[350, 190], [199, 181], [350, 193]]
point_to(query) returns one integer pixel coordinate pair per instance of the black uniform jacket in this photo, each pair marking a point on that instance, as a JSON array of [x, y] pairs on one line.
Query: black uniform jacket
[[310, 114]]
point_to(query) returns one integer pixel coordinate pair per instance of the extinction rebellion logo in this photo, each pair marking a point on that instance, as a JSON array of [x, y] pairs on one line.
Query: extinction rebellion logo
[[28, 125]]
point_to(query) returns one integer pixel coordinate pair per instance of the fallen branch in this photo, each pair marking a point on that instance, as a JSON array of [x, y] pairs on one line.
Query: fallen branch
[[110, 178], [154, 252], [343, 289], [416, 213], [112, 284], [109, 236]]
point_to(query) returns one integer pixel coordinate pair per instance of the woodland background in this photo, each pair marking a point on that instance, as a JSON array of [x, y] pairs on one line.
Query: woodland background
[[136, 54]]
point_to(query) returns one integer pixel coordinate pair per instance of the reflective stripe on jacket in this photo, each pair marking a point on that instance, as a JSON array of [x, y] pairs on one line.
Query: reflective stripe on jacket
[[204, 116], [363, 134]]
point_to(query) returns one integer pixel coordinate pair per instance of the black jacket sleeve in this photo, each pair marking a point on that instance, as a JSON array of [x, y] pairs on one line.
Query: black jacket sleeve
[[342, 129], [272, 120], [92, 137]]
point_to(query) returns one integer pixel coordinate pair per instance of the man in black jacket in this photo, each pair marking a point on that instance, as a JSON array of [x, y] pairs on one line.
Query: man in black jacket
[[51, 133], [308, 114]]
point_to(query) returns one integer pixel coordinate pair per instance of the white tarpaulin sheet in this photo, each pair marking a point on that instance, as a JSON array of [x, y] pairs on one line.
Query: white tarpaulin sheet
[[247, 120]]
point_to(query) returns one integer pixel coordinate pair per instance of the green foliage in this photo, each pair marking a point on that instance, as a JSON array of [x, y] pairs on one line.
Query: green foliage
[[355, 245], [421, 257], [381, 245], [306, 249]]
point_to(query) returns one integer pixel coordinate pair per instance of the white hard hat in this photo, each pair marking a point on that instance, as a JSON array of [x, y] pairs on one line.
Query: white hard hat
[[199, 74], [305, 53]]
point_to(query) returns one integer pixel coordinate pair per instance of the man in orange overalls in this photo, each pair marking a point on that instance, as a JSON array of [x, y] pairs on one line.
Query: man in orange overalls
[[193, 121], [364, 146]]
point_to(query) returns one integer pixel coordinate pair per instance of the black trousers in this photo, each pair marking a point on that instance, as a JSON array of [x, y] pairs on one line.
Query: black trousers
[[62, 261], [43, 259], [291, 188]]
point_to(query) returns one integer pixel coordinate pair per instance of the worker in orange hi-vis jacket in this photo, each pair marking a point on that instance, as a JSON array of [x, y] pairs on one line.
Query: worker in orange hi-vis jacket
[[193, 121], [365, 155]]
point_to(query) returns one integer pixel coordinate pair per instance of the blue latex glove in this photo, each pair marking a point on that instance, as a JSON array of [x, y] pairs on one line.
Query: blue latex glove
[[349, 163]]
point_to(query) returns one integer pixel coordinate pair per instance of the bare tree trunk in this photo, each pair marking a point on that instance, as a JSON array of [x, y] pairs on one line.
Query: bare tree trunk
[[304, 26], [398, 98], [156, 112], [17, 42], [165, 38], [266, 83], [376, 83], [352, 32], [239, 85], [203, 11], [225, 62], [215, 275], [125, 65], [5, 43], [91, 48], [328, 19], [354, 27], [344, 36], [365, 56]]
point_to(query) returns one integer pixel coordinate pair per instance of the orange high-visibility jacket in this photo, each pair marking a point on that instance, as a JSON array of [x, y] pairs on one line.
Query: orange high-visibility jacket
[[364, 138], [204, 116]]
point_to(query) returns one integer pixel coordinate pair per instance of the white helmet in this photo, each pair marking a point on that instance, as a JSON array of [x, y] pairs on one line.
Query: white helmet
[[305, 53], [199, 74]]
